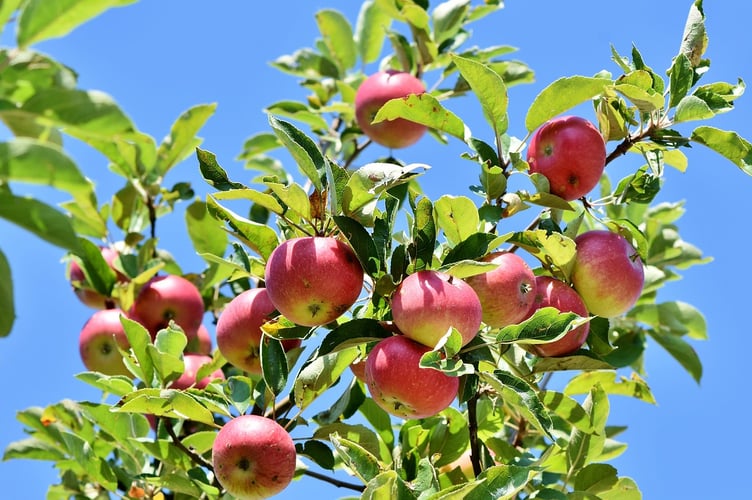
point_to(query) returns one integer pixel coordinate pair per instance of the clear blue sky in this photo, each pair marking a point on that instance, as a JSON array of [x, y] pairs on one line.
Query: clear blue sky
[[159, 58]]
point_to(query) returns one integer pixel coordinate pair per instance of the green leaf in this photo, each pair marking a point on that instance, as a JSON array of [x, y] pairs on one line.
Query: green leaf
[[457, 216], [424, 234], [426, 110], [503, 482], [387, 485], [139, 340], [682, 77], [40, 219], [612, 383], [546, 325], [239, 390], [646, 100], [550, 248], [448, 18], [166, 403], [338, 37], [35, 162], [677, 317], [259, 237], [359, 434], [369, 182], [118, 385], [294, 196], [166, 353], [182, 140], [596, 478], [370, 30], [582, 360], [205, 231], [568, 409], [562, 95], [624, 489], [490, 89], [41, 19], [472, 247], [305, 152], [90, 113], [273, 364], [692, 108], [359, 460], [7, 9], [681, 350], [317, 451], [320, 373], [695, 39], [362, 243], [33, 449], [213, 174], [260, 200], [6, 296], [584, 447], [97, 270], [726, 143], [353, 333], [519, 394]]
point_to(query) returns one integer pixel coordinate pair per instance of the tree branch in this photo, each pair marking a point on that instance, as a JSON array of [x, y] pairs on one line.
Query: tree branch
[[334, 481], [472, 421]]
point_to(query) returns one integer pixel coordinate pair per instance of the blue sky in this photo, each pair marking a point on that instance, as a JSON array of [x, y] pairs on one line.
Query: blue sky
[[159, 58]]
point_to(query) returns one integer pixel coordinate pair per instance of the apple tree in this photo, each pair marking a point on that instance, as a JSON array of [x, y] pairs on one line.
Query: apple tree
[[362, 326]]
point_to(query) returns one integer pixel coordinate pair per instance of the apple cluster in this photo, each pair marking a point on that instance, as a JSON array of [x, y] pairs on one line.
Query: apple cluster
[[162, 299], [313, 280]]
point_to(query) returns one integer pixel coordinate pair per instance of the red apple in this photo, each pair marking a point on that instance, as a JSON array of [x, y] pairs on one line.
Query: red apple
[[358, 368], [313, 280], [83, 290], [377, 90], [506, 292], [607, 273], [253, 457], [427, 303], [169, 297], [99, 341], [551, 292], [400, 386], [201, 343], [239, 329], [193, 363], [571, 153]]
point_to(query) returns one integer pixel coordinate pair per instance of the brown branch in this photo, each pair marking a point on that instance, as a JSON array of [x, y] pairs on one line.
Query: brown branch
[[472, 421], [195, 457], [334, 481]]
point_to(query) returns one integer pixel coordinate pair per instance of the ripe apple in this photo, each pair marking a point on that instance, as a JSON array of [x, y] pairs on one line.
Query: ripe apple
[[201, 343], [400, 386], [239, 329], [358, 368], [313, 280], [607, 273], [99, 340], [83, 290], [373, 93], [169, 297], [427, 303], [551, 292], [253, 457], [193, 363], [506, 292], [571, 153]]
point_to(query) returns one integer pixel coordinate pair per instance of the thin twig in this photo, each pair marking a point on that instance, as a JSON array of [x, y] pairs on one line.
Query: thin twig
[[334, 481]]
